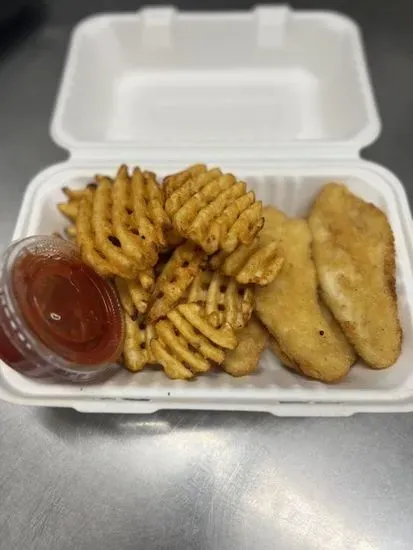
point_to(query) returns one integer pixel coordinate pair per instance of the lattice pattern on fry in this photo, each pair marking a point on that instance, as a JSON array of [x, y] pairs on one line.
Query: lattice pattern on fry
[[256, 263], [186, 344], [154, 241], [137, 347], [147, 204], [131, 228], [133, 296], [94, 234], [224, 301], [128, 221], [212, 209], [175, 278], [173, 182]]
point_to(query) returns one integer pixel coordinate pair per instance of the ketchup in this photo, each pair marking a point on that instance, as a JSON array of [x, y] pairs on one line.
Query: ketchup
[[58, 318]]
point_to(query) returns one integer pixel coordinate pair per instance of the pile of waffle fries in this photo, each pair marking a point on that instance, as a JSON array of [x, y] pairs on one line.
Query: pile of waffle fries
[[184, 254]]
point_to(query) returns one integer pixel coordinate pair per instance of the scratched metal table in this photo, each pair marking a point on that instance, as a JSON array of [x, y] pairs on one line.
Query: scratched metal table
[[199, 480]]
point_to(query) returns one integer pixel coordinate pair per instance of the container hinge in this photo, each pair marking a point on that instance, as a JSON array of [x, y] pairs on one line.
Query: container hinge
[[272, 23], [156, 26]]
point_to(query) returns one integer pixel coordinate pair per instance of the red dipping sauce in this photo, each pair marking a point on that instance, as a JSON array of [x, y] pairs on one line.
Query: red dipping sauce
[[58, 318]]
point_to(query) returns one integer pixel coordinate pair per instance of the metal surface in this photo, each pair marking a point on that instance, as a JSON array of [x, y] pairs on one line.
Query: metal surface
[[177, 480]]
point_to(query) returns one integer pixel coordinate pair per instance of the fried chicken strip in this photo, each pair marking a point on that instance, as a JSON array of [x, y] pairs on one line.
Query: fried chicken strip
[[353, 248], [290, 308]]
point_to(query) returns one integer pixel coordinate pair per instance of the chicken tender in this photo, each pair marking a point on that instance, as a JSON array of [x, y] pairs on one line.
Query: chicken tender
[[290, 308], [278, 352], [252, 341], [353, 248]]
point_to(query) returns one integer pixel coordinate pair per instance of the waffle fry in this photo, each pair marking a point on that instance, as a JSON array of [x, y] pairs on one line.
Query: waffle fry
[[186, 344], [137, 347], [175, 278], [252, 341], [69, 209], [70, 232], [146, 279], [128, 222], [134, 298], [212, 209], [94, 235], [223, 300], [256, 263], [171, 183], [151, 219], [223, 336], [77, 194], [130, 227]]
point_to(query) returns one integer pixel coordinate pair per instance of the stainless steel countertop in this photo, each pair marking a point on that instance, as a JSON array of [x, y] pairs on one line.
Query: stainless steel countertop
[[199, 480]]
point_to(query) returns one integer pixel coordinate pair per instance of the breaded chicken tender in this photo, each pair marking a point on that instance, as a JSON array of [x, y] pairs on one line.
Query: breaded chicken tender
[[290, 308], [353, 248]]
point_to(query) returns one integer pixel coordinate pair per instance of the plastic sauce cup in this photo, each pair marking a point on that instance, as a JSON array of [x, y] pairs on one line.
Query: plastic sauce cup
[[58, 318]]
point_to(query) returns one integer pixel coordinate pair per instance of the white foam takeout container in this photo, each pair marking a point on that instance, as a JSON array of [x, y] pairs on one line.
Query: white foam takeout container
[[281, 98]]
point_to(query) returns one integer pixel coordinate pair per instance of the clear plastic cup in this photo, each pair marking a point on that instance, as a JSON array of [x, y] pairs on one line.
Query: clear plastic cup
[[58, 318]]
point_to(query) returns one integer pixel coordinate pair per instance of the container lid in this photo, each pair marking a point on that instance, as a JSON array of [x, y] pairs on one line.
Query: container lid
[[267, 83]]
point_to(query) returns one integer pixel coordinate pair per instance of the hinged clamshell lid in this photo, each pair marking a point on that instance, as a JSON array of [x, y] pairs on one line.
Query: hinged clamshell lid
[[267, 83]]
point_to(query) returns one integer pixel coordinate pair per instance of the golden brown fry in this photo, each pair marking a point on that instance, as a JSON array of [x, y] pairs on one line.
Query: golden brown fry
[[175, 278], [195, 338], [106, 243], [76, 194], [70, 232], [147, 279], [150, 217], [223, 336], [85, 238], [173, 367], [186, 344], [113, 242], [252, 341], [256, 263], [135, 243], [354, 253], [173, 182], [212, 209], [137, 347], [134, 298], [246, 226], [69, 209], [290, 308], [222, 299], [179, 345]]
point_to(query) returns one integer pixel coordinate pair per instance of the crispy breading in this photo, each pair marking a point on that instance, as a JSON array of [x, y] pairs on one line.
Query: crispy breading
[[278, 352], [290, 309], [282, 355], [353, 248], [252, 341]]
